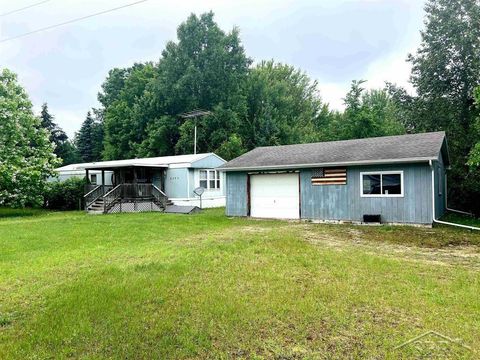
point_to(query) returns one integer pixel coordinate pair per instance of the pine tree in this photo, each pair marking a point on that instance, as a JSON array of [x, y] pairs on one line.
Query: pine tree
[[89, 140], [64, 149]]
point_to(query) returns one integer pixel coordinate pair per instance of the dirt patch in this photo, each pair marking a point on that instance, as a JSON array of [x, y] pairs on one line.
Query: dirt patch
[[347, 238]]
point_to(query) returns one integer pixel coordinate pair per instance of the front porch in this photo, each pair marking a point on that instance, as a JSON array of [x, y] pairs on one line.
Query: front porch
[[133, 189]]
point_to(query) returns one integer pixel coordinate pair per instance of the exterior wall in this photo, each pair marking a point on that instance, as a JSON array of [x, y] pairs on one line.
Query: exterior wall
[[157, 178], [440, 190], [343, 202], [64, 175], [176, 183], [236, 190], [209, 162]]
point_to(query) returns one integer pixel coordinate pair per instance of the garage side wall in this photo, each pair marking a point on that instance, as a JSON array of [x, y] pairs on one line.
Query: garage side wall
[[237, 194], [343, 202]]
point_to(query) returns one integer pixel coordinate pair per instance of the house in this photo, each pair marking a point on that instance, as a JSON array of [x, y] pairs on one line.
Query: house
[[394, 179], [150, 183]]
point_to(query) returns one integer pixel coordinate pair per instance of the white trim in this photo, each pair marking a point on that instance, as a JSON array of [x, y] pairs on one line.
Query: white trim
[[392, 172], [344, 163], [216, 178]]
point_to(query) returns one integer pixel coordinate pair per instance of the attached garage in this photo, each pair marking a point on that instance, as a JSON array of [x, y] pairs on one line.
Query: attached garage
[[275, 196]]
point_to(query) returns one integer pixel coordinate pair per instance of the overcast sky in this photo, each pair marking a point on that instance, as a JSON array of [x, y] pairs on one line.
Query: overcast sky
[[334, 41]]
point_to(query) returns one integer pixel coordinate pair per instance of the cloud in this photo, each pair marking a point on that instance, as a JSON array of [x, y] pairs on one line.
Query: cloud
[[334, 41]]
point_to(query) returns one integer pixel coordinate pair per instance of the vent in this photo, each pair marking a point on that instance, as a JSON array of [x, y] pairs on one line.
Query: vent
[[372, 218]]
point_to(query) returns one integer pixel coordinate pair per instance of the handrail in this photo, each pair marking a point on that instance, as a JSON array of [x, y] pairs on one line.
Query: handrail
[[93, 195], [159, 196], [161, 192], [111, 197], [91, 191], [108, 193]]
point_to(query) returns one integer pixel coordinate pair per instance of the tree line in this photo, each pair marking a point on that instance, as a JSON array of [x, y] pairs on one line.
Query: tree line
[[270, 103]]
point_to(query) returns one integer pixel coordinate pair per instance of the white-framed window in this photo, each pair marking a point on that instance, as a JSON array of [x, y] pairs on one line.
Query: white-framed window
[[381, 184], [209, 179], [93, 179]]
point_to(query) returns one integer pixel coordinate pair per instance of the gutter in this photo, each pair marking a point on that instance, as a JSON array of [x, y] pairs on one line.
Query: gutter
[[433, 206]]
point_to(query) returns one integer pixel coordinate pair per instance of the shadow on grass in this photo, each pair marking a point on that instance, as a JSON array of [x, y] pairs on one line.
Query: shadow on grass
[[461, 219], [25, 212]]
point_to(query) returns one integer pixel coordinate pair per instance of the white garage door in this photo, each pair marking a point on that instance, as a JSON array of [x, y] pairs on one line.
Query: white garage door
[[274, 196]]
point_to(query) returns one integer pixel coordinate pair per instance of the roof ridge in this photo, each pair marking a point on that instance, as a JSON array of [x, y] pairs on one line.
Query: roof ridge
[[356, 139]]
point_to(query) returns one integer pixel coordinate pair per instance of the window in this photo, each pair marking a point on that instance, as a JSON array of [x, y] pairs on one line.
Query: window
[[209, 179], [93, 179], [381, 184]]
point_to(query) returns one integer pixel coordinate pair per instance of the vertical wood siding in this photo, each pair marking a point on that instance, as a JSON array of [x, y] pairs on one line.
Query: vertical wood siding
[[440, 207], [343, 202], [236, 190]]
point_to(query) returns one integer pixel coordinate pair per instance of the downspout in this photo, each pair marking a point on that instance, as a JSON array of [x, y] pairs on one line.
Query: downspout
[[433, 205]]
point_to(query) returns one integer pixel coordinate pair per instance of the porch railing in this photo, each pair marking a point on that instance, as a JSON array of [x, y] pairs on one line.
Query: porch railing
[[159, 197], [91, 196], [112, 197], [126, 193], [136, 191], [95, 192]]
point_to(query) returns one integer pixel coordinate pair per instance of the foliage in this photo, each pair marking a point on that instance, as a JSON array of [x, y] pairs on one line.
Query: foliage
[[231, 148], [65, 195], [26, 153], [445, 71], [206, 69], [283, 105], [165, 286], [368, 114], [89, 140], [64, 149], [474, 156]]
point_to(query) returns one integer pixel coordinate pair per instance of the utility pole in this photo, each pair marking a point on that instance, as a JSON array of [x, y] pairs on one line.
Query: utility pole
[[195, 114]]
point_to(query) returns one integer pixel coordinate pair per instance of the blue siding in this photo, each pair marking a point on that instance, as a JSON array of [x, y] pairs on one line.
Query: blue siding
[[236, 189], [343, 202], [440, 190], [208, 162], [176, 183]]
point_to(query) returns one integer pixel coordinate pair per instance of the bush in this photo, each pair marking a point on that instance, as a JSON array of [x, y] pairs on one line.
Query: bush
[[65, 195]]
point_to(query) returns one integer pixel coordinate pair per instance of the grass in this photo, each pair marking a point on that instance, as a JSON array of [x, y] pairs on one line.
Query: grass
[[206, 286], [462, 219], [10, 213]]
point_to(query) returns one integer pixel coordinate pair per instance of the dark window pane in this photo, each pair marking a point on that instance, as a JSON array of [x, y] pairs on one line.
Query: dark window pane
[[203, 183], [371, 184], [391, 184], [218, 184], [212, 184]]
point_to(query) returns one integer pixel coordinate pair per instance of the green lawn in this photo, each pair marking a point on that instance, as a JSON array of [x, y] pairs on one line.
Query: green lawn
[[206, 286]]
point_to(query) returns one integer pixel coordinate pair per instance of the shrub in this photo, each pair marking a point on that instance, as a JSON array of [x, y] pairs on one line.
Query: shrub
[[65, 195]]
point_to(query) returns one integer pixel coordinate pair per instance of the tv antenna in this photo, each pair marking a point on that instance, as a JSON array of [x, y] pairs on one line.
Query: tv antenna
[[195, 114]]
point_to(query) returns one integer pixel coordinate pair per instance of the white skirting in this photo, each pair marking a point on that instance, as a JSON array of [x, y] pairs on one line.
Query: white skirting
[[207, 202]]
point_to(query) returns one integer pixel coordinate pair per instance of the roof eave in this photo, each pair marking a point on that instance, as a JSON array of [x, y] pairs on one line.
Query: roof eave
[[349, 163]]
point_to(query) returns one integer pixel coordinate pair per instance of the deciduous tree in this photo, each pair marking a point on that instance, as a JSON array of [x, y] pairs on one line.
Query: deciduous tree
[[27, 159]]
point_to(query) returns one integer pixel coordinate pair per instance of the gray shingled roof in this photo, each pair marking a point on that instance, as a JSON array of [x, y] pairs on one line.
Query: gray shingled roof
[[387, 149]]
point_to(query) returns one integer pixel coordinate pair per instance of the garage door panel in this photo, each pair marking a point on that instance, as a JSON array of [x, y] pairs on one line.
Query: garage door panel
[[274, 196]]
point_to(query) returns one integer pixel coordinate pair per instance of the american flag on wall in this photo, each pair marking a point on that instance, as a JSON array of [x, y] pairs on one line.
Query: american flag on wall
[[329, 176]]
